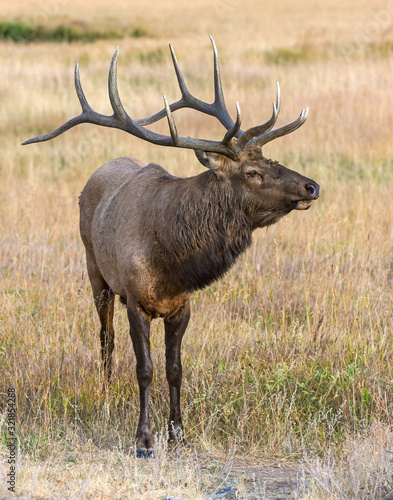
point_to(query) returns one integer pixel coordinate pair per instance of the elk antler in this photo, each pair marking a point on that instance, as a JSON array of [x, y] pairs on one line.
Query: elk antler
[[233, 142]]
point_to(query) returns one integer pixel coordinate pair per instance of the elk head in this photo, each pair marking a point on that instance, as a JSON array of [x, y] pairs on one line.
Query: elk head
[[269, 190]]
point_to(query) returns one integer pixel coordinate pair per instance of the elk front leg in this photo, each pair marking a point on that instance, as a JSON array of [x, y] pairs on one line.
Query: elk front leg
[[174, 331], [140, 336]]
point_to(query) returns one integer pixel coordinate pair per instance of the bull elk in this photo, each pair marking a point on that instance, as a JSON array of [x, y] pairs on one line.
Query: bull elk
[[153, 238]]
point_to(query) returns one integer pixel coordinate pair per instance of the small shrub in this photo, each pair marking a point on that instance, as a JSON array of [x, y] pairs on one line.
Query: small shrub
[[139, 33]]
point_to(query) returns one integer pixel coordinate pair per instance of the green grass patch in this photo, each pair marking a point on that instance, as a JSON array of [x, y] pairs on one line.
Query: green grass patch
[[289, 56], [282, 56], [139, 32], [152, 56], [25, 32], [384, 49]]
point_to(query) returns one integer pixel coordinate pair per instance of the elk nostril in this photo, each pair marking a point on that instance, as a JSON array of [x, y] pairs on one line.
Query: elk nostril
[[312, 189]]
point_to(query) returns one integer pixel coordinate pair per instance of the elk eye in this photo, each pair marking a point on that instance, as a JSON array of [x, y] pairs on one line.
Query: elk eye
[[251, 174]]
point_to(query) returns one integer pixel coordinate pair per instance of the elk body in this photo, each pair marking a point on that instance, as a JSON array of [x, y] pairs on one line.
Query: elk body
[[153, 238]]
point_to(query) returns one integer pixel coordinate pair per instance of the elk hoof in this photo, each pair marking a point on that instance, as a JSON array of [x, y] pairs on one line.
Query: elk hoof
[[145, 453]]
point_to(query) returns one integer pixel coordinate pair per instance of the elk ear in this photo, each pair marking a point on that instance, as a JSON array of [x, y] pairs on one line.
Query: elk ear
[[214, 161]]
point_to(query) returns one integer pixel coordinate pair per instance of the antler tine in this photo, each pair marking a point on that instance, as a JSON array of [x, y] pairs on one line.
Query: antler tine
[[260, 129], [171, 122], [185, 100], [256, 131], [46, 137], [286, 129], [218, 92], [236, 127], [79, 91], [71, 123], [117, 106], [88, 115], [186, 94], [219, 101], [278, 98]]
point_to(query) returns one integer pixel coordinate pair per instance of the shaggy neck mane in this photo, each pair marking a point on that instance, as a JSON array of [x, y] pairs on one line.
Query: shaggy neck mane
[[208, 230]]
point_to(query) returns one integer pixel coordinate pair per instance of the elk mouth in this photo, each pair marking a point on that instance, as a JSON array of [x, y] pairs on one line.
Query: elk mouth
[[301, 204], [312, 190]]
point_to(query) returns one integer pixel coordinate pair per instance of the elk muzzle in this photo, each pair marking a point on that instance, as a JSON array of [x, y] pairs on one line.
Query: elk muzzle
[[311, 190]]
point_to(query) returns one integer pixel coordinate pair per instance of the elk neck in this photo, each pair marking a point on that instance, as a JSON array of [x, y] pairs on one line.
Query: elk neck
[[204, 230]]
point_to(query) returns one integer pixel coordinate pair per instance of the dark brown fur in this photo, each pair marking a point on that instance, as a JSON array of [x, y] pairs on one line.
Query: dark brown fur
[[153, 239]]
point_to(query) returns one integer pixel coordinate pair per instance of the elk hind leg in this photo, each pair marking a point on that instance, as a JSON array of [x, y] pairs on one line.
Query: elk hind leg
[[104, 300]]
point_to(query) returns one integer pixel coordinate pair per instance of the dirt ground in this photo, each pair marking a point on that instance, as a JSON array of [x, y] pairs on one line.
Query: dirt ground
[[269, 479]]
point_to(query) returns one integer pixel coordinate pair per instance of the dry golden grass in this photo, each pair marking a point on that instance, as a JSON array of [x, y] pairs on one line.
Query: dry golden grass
[[292, 351], [363, 469]]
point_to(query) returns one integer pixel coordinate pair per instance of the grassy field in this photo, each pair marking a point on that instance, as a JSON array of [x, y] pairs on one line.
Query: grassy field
[[290, 356]]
